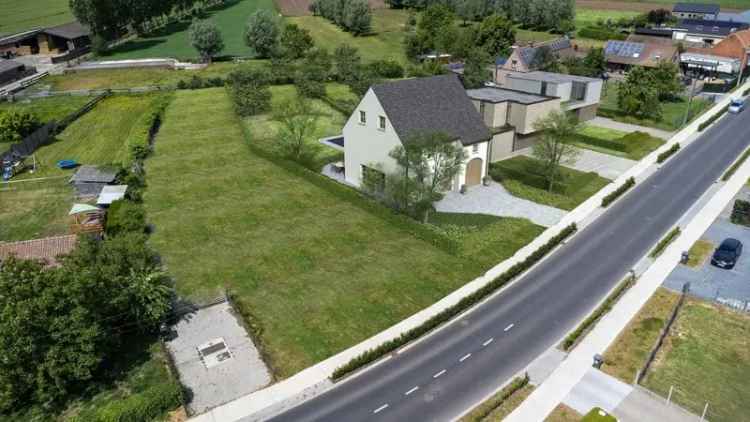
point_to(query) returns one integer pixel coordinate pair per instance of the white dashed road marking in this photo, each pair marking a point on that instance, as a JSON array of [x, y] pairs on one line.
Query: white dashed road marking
[[466, 356], [383, 407], [487, 343], [411, 391], [509, 327], [439, 373]]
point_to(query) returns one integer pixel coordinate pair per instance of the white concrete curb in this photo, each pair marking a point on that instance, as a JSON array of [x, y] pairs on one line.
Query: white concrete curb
[[319, 373], [551, 392]]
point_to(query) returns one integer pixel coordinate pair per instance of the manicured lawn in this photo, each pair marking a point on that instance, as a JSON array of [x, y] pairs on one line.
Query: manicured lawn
[[35, 209], [319, 267], [590, 17], [598, 415], [20, 15], [521, 177], [707, 359], [673, 112], [634, 145], [48, 108], [98, 137], [602, 132], [563, 413], [699, 252], [628, 353], [386, 42], [173, 40]]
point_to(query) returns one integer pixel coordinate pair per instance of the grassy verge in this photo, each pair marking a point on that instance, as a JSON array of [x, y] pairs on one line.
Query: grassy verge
[[502, 403], [634, 145], [520, 176], [563, 413], [629, 351], [699, 252], [48, 108], [318, 270], [35, 209], [706, 359]]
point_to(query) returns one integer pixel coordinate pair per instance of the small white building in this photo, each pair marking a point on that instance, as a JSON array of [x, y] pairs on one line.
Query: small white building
[[576, 93]]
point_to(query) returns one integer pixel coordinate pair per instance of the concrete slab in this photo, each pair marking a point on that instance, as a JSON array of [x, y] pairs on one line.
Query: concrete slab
[[541, 368], [597, 389], [627, 127], [643, 406], [605, 165]]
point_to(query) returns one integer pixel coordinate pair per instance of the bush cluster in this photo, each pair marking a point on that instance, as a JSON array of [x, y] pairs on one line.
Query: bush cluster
[[668, 153], [735, 166], [125, 216], [662, 245], [198, 82], [741, 212], [352, 16], [618, 192], [141, 407], [615, 145], [713, 118], [483, 410], [389, 69], [602, 34], [372, 355], [605, 307], [139, 140]]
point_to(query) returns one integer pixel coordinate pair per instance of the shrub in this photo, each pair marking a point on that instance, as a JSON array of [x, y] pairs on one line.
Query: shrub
[[125, 216], [741, 212], [666, 241], [713, 118], [735, 166], [481, 412], [141, 407], [249, 91], [618, 192], [605, 307], [614, 145], [372, 355], [389, 69], [602, 34], [139, 139], [16, 125], [668, 153]]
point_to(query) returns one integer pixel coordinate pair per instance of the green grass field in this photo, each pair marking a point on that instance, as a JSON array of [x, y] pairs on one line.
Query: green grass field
[[725, 4], [386, 42], [634, 145], [318, 267], [34, 209], [18, 15], [590, 17], [48, 108], [173, 40], [520, 176], [707, 359]]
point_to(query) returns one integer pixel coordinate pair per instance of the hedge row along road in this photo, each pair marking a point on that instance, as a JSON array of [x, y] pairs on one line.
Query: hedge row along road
[[453, 369]]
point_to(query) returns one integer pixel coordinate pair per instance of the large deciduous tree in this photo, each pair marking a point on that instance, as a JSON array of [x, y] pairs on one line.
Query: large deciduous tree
[[262, 33], [496, 35], [476, 69], [554, 148], [295, 42], [639, 94], [249, 90], [206, 38]]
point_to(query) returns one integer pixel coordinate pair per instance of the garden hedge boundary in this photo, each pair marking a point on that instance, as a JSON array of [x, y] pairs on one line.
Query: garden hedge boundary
[[479, 413], [517, 269], [601, 34], [713, 118], [138, 142], [618, 192], [662, 245], [735, 166], [584, 327], [145, 406], [668, 153], [614, 145]]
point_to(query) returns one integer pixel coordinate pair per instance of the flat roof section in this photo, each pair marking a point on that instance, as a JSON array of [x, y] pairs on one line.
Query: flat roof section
[[551, 77], [499, 95]]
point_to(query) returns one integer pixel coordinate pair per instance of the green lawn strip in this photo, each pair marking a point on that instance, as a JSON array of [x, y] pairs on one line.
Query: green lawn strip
[[173, 40], [631, 348], [501, 403], [699, 252], [96, 138], [520, 176], [633, 145], [598, 415], [735, 166], [590, 17], [48, 108], [319, 271], [20, 15], [34, 209], [707, 359]]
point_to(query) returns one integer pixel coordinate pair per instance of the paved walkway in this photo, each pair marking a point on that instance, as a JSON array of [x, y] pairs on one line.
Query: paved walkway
[[643, 406], [495, 200], [627, 127], [605, 165]]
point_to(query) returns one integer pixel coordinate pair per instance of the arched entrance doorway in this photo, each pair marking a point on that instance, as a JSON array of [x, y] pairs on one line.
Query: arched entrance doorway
[[474, 172]]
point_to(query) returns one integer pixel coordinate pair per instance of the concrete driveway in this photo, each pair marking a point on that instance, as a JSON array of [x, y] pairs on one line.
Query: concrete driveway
[[605, 165]]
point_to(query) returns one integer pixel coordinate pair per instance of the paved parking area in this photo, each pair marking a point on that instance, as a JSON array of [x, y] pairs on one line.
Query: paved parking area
[[731, 287], [605, 165]]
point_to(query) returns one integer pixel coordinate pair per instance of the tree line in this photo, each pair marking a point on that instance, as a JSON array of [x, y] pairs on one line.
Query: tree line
[[352, 16]]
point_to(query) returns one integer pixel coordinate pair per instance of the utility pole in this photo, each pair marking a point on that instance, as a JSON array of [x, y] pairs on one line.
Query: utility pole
[[690, 100]]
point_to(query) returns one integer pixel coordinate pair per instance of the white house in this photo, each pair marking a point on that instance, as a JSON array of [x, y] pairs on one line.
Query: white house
[[578, 94], [390, 113]]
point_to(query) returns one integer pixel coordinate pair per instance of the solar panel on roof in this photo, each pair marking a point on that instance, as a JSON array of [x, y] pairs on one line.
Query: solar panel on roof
[[624, 48]]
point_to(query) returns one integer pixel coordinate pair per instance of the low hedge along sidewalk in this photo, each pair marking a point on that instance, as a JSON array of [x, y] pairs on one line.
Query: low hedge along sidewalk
[[662, 245], [668, 153], [376, 353], [618, 192], [713, 118], [480, 412]]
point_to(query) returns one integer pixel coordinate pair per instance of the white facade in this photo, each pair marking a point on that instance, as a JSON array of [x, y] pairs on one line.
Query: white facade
[[367, 144], [561, 89]]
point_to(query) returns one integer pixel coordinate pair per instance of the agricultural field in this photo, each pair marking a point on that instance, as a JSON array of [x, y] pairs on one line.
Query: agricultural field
[[19, 15], [318, 266], [48, 108], [173, 40]]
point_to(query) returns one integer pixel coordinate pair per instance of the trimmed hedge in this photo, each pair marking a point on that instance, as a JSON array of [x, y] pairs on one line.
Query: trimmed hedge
[[138, 142], [605, 307], [746, 92], [662, 245], [342, 106], [668, 153], [614, 145], [479, 413], [376, 353], [125, 217], [601, 34], [141, 407], [713, 118], [618, 192], [735, 166], [741, 212]]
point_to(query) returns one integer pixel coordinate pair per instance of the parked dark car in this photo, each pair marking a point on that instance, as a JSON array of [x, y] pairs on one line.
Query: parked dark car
[[727, 254]]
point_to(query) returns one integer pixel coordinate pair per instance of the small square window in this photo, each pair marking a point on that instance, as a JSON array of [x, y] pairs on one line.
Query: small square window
[[381, 122], [362, 117], [475, 148]]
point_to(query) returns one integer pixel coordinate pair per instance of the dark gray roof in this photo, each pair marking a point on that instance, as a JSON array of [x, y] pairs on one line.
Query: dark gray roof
[[19, 36], [499, 95], [434, 104], [552, 77], [6, 65], [696, 8], [711, 27], [93, 174], [69, 31], [527, 54]]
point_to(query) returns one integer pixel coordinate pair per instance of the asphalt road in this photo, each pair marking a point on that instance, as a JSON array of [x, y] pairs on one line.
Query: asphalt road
[[440, 377]]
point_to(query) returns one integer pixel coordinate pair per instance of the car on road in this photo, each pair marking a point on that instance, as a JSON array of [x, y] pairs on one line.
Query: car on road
[[737, 105], [727, 254]]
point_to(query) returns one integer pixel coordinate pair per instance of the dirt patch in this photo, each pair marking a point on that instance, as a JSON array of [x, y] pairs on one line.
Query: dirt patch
[[302, 7]]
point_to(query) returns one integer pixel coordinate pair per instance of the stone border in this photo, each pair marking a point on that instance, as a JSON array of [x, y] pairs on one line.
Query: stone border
[[280, 393]]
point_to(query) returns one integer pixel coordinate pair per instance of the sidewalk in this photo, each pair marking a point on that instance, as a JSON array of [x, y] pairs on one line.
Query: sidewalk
[[554, 390], [627, 127]]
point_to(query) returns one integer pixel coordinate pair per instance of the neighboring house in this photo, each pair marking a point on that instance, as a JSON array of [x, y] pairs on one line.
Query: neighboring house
[[67, 40], [701, 65], [743, 17], [707, 32], [725, 58], [389, 114], [11, 71], [696, 11], [522, 59], [622, 55], [579, 94], [510, 115]]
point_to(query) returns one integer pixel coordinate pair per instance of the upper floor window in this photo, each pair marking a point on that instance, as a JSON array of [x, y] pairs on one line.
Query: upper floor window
[[475, 148], [381, 122], [362, 117]]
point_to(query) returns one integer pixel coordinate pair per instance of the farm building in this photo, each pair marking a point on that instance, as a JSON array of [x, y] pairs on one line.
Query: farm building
[[11, 70], [67, 40]]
